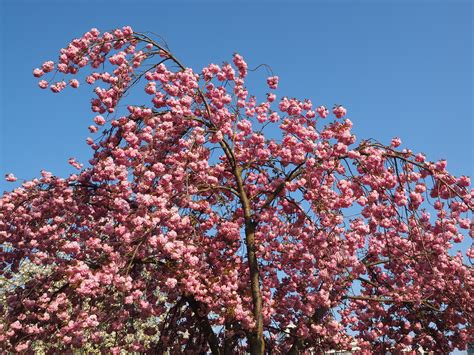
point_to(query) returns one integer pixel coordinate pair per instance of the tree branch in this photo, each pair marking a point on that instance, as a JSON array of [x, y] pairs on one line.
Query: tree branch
[[204, 325]]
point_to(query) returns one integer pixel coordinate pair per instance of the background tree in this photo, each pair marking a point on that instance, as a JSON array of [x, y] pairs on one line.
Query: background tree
[[211, 221]]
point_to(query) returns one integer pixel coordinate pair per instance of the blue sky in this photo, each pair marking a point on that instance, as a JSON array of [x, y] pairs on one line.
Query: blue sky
[[402, 68]]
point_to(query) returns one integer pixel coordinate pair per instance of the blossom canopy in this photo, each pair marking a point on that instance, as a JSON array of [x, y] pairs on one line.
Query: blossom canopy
[[209, 220]]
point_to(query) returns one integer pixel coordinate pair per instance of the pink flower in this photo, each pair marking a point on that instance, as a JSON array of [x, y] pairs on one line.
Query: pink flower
[[150, 88], [464, 181], [62, 67], [90, 79], [10, 177], [46, 174], [99, 120], [93, 128], [396, 142], [271, 97], [339, 111], [274, 117], [48, 66], [171, 283], [420, 158], [416, 198], [43, 84], [127, 31], [75, 163], [21, 347], [71, 247], [38, 72], [16, 325], [74, 83], [273, 82], [322, 111], [240, 64], [310, 114], [60, 85]]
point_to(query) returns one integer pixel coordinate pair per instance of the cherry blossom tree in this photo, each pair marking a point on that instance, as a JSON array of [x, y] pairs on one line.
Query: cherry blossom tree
[[210, 221]]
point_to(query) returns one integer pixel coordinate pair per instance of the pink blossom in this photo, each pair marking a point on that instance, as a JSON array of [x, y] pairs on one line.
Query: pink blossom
[[339, 111], [57, 87], [99, 120], [272, 82], [48, 66], [22, 346], [464, 181], [74, 83], [322, 111], [43, 84], [74, 163], [420, 158], [240, 64], [171, 283], [10, 177], [16, 325], [396, 142], [271, 97], [38, 73]]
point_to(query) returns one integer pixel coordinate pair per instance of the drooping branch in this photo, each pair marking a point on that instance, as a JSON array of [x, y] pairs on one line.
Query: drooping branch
[[204, 325]]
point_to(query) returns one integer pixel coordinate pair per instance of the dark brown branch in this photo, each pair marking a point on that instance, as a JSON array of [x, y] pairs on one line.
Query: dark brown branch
[[294, 173], [204, 325], [257, 344]]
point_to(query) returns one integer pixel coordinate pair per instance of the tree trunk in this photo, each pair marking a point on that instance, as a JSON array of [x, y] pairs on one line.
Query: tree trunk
[[255, 338], [257, 345]]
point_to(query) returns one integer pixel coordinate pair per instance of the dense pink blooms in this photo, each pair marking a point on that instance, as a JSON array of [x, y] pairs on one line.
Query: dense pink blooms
[[171, 283], [241, 65], [208, 218]]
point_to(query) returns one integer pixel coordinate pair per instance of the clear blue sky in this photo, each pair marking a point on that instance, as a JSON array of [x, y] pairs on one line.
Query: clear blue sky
[[402, 68]]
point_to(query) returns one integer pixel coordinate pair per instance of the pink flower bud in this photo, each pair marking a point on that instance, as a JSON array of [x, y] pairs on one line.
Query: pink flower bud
[[10, 177]]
